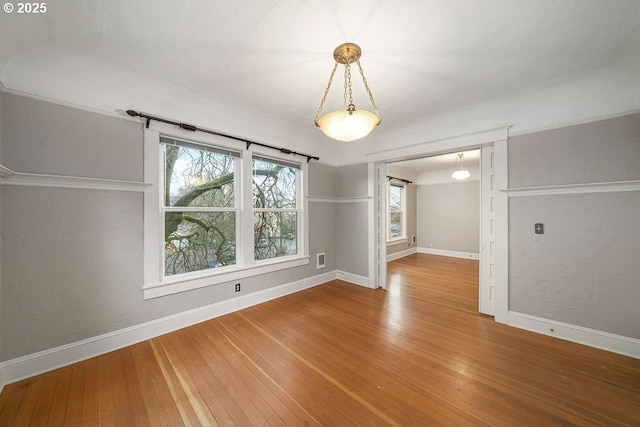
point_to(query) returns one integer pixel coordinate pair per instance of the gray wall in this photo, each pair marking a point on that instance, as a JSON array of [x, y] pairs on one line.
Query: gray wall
[[322, 215], [352, 181], [50, 139], [585, 269], [449, 216], [352, 219], [72, 260]]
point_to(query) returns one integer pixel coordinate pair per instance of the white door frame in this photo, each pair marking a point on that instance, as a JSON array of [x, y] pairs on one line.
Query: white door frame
[[487, 283], [377, 226], [496, 137]]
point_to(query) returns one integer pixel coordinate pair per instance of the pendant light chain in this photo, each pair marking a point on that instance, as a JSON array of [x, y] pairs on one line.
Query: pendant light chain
[[366, 85], [326, 92], [347, 82]]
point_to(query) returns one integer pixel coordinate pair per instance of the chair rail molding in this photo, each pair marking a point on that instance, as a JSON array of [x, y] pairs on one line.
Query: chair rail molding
[[594, 187], [10, 177]]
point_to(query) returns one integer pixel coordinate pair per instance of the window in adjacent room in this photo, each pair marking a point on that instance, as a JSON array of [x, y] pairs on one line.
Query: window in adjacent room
[[396, 228]]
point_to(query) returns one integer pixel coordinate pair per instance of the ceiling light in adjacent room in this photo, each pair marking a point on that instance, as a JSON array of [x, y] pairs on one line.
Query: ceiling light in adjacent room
[[460, 173]]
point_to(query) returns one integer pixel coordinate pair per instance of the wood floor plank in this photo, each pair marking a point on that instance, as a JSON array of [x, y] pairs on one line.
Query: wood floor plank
[[332, 403], [75, 404], [29, 401], [338, 354], [180, 387], [121, 400], [146, 383], [44, 399], [213, 390], [90, 403], [239, 407], [273, 363], [135, 394], [166, 403], [241, 386], [368, 378], [58, 407], [211, 383], [280, 408], [184, 372], [287, 409], [105, 391], [12, 395]]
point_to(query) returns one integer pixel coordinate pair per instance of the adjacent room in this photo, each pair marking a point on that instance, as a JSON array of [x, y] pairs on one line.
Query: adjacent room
[[320, 213], [434, 208]]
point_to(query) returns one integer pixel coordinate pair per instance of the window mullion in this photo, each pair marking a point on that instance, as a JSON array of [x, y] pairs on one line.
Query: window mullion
[[245, 232]]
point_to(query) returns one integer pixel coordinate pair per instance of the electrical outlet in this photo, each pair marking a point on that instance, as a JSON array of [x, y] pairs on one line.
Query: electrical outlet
[[237, 287]]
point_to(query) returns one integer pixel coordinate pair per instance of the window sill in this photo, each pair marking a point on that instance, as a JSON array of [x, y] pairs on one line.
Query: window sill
[[398, 241], [233, 273]]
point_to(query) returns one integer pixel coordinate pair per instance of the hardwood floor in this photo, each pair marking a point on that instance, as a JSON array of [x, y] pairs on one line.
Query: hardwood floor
[[339, 354]]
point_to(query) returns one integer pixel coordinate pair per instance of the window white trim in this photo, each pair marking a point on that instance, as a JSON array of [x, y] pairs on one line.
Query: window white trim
[[235, 273], [156, 284]]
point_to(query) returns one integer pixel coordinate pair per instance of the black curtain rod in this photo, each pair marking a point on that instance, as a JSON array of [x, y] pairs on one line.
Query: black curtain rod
[[193, 128], [400, 179]]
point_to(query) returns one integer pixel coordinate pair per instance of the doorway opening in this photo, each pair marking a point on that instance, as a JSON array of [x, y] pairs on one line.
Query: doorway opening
[[494, 215], [430, 214]]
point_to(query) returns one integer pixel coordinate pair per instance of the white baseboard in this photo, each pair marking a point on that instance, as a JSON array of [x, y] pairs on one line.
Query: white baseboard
[[33, 364], [445, 252], [401, 254], [353, 278], [591, 337]]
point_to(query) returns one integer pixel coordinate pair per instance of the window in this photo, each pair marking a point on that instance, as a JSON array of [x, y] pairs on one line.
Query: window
[[274, 208], [216, 212], [396, 222], [200, 208]]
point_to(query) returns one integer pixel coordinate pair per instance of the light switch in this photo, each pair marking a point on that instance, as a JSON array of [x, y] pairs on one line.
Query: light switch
[[539, 228]]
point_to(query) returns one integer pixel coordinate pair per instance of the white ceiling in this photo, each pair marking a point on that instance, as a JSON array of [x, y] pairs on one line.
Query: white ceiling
[[259, 68]]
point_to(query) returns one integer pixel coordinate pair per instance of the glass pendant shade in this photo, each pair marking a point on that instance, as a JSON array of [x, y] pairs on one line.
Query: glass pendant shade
[[344, 125], [349, 123], [460, 174]]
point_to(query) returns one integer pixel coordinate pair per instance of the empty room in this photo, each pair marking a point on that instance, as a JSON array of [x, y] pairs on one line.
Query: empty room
[[320, 213]]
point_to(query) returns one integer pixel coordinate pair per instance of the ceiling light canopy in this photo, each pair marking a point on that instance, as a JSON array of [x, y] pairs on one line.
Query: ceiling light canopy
[[347, 124], [460, 173]]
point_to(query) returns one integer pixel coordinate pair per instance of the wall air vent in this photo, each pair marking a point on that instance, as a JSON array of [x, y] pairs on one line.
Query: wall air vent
[[320, 261]]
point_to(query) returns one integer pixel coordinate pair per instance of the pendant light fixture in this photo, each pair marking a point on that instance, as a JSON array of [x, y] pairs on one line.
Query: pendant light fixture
[[460, 173], [349, 123]]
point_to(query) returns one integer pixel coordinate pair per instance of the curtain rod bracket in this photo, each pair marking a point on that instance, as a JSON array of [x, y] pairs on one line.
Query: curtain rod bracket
[[188, 127]]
